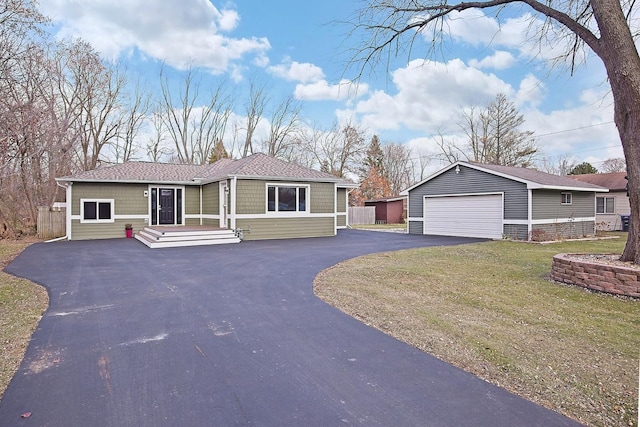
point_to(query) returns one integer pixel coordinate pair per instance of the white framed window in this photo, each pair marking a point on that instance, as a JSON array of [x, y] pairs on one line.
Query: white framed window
[[287, 198], [96, 210], [605, 205], [565, 198]]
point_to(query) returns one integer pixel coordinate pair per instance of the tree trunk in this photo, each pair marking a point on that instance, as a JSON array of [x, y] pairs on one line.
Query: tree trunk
[[620, 56]]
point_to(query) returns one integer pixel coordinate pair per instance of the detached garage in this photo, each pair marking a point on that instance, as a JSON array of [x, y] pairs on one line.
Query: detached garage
[[465, 216], [492, 201]]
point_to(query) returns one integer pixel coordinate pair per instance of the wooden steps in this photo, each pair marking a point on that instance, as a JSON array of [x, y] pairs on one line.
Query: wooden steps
[[172, 237]]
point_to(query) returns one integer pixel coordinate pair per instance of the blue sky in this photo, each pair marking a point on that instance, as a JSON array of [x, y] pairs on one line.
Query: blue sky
[[300, 48]]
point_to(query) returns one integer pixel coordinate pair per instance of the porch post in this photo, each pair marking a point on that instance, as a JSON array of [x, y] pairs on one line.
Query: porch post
[[232, 202]]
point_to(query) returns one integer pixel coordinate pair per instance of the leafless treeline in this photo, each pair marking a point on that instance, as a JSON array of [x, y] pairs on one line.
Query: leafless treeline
[[63, 109]]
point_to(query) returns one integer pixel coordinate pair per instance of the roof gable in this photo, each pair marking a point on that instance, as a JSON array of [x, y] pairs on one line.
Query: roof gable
[[534, 179]]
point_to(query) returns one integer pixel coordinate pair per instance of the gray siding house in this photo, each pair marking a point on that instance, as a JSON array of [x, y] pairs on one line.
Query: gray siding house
[[491, 201], [264, 197]]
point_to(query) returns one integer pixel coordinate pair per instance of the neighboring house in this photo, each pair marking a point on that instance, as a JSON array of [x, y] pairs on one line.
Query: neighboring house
[[609, 207], [389, 210], [491, 201], [264, 197]]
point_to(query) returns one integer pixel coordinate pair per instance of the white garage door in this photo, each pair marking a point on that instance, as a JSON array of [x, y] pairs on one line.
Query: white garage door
[[466, 216]]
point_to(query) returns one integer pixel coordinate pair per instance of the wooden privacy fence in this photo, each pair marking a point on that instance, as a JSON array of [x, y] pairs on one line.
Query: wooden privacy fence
[[51, 223], [362, 215]]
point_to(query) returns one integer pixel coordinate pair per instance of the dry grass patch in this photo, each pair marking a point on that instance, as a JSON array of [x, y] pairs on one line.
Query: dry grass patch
[[22, 304], [490, 309]]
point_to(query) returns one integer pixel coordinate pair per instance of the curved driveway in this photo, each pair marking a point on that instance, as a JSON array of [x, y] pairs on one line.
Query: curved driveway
[[229, 335]]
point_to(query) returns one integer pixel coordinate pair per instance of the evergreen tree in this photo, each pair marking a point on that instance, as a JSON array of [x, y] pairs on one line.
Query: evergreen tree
[[583, 168], [218, 152], [374, 157]]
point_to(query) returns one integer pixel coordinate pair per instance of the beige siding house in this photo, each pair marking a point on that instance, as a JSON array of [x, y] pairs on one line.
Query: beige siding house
[[259, 197], [613, 206]]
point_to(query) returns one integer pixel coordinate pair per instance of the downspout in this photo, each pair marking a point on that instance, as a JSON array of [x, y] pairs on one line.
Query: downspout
[[67, 197]]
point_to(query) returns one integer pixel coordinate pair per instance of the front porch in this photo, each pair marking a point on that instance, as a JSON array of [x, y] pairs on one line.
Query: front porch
[[157, 236]]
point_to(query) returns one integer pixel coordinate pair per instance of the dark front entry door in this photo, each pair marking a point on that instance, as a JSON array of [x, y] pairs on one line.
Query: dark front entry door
[[167, 206]]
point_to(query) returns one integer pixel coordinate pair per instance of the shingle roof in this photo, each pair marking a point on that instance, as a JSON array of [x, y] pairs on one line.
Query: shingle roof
[[260, 165], [614, 181], [538, 177], [533, 178], [255, 166]]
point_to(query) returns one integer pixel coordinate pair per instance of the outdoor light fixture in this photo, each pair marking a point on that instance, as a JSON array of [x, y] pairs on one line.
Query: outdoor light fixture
[[457, 169]]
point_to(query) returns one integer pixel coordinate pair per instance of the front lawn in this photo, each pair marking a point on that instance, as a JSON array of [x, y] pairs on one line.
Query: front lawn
[[22, 304], [491, 310]]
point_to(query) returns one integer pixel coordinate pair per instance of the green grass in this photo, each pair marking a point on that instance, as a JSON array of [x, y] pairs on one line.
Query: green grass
[[22, 304], [490, 309]]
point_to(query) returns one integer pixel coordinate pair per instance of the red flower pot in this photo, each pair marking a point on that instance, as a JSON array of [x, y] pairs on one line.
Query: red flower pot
[[129, 233]]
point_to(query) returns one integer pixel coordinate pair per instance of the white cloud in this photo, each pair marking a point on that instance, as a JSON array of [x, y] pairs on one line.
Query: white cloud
[[581, 131], [474, 27], [521, 34], [500, 60], [297, 72], [323, 91], [179, 33], [228, 20], [430, 96], [531, 91]]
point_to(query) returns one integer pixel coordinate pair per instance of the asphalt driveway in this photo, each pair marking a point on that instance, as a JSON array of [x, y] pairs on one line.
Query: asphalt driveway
[[230, 335]]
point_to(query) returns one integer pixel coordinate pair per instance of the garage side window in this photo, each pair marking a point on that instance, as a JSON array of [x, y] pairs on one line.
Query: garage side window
[[96, 210], [565, 198], [284, 198]]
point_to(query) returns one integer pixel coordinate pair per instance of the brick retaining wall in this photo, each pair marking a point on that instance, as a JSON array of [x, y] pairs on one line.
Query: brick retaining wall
[[600, 277]]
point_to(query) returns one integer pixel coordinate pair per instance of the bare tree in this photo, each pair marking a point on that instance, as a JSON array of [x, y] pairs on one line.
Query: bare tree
[[492, 136], [194, 129], [98, 89], [607, 27], [36, 137], [397, 167], [613, 165], [176, 115], [156, 144], [420, 164], [255, 109], [133, 117], [20, 20], [337, 151], [284, 123], [557, 166]]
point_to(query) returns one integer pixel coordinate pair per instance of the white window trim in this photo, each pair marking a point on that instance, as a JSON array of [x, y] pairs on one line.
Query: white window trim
[[297, 212], [175, 201], [566, 193], [97, 221], [605, 205]]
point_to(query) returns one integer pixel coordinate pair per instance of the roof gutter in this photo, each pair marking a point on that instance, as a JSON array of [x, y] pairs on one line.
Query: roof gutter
[[563, 188], [133, 181]]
